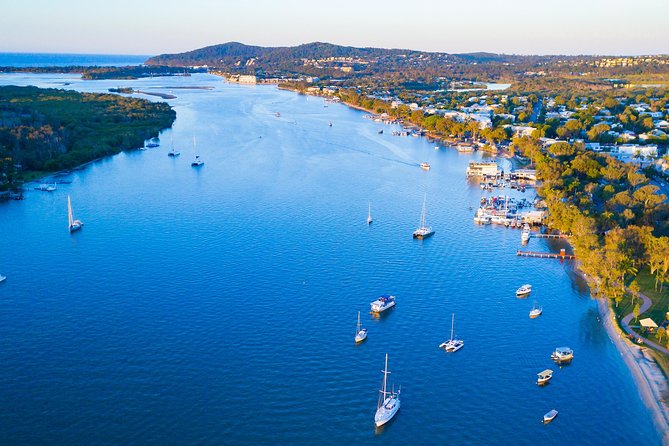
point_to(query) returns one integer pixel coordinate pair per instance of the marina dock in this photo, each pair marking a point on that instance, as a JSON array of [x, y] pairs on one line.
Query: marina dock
[[547, 255], [536, 235]]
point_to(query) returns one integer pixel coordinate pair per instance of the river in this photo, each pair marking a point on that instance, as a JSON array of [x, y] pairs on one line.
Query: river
[[218, 305]]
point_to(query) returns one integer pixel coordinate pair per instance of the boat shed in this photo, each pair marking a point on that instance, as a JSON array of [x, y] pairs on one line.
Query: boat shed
[[648, 324]]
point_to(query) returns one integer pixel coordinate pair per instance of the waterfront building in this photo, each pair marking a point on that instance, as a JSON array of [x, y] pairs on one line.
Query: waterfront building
[[489, 169]]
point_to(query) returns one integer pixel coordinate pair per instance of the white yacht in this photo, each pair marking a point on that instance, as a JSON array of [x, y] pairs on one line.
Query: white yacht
[[383, 303], [425, 166], [524, 290], [550, 416], [525, 235], [423, 231], [453, 344], [46, 187], [389, 401], [535, 311], [360, 333], [73, 224], [544, 377], [562, 354], [197, 161]]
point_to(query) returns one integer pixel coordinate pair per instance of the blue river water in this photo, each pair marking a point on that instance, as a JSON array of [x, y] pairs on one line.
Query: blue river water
[[218, 305]]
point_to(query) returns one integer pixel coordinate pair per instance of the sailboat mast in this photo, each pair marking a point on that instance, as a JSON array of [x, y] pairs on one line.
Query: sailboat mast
[[357, 330], [422, 214], [385, 377], [69, 211], [452, 324]]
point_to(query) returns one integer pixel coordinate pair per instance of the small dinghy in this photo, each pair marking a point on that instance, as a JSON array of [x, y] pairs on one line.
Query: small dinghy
[[544, 377], [550, 416]]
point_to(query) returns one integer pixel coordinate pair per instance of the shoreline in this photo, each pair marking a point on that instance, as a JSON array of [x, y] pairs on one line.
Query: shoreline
[[651, 383]]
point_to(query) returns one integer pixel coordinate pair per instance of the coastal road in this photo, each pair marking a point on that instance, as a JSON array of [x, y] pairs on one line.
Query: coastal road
[[626, 320]]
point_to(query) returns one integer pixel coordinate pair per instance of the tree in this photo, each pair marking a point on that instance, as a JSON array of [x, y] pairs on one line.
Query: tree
[[634, 290], [661, 333], [636, 312]]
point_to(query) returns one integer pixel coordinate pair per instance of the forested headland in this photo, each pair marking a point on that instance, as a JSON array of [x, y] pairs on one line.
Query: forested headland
[[47, 130]]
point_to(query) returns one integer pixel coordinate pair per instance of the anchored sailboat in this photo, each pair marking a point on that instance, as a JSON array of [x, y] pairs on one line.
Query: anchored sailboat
[[389, 401], [423, 231], [452, 345], [360, 333], [369, 214], [74, 225]]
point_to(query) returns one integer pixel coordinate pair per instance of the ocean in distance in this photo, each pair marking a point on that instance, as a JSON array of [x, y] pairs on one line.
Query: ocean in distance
[[63, 60], [218, 305]]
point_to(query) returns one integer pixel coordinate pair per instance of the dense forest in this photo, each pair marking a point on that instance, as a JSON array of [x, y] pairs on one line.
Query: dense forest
[[48, 130]]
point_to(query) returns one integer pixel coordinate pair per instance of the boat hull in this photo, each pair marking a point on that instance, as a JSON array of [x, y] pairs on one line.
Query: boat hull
[[77, 225], [384, 415], [361, 336], [379, 309], [423, 235]]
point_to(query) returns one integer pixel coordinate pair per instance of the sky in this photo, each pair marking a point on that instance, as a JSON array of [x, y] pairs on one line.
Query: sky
[[150, 27]]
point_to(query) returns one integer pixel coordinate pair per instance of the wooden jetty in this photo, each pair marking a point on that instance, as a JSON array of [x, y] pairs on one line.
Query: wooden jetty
[[539, 235], [547, 255]]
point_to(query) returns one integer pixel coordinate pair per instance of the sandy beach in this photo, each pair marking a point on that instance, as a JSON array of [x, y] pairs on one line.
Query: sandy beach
[[651, 382]]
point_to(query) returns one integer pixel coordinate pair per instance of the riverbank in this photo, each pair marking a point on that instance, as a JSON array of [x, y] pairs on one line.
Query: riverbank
[[652, 384]]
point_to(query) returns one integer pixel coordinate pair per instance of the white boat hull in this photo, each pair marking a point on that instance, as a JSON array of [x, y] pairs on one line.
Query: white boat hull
[[387, 411], [452, 345], [361, 336], [381, 309]]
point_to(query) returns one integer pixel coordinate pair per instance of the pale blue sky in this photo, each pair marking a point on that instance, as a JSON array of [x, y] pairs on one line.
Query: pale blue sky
[[502, 26]]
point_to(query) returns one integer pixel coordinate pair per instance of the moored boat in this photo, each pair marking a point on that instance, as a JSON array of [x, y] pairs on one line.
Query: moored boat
[[46, 187], [535, 311], [369, 214], [360, 333], [383, 303], [425, 166], [73, 224], [389, 401], [562, 354], [197, 161], [423, 231], [524, 290], [453, 344], [544, 377], [2, 278], [550, 416]]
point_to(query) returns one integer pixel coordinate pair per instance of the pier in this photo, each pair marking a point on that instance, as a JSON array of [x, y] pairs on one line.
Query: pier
[[548, 235], [547, 255]]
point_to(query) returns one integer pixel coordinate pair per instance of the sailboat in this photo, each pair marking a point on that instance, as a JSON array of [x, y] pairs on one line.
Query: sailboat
[[536, 311], [74, 225], [369, 214], [423, 231], [173, 153], [197, 162], [389, 402], [452, 345], [360, 333]]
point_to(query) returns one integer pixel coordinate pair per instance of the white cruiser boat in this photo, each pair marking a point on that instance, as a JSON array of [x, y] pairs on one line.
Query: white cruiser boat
[[452, 345], [544, 377], [525, 236], [383, 303], [73, 224], [423, 231], [562, 354], [550, 416], [360, 333], [389, 401], [46, 187], [535, 311], [524, 290]]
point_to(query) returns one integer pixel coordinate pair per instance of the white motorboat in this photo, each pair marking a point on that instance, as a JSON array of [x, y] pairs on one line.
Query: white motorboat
[[73, 224], [383, 303], [535, 311], [369, 214], [524, 290], [389, 401], [525, 236], [425, 166], [550, 416], [453, 344], [423, 231], [46, 187], [544, 377], [360, 333], [562, 354]]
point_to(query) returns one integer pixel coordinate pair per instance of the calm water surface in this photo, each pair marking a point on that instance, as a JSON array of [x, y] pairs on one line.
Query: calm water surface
[[63, 60], [218, 305]]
